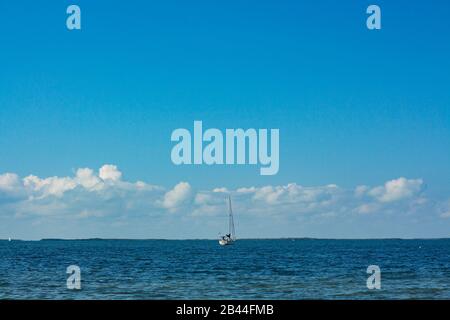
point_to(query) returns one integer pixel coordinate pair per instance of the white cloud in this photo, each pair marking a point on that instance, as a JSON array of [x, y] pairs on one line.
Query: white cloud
[[294, 193], [86, 178], [110, 172], [177, 196], [397, 189], [49, 186], [246, 190], [9, 182]]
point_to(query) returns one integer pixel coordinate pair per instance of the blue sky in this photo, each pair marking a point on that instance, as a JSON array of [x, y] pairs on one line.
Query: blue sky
[[354, 108]]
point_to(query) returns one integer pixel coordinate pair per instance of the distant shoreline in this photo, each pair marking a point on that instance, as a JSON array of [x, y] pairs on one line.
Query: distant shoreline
[[242, 239]]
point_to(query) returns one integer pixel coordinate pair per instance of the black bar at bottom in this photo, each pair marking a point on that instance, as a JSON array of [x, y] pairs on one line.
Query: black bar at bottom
[[225, 309]]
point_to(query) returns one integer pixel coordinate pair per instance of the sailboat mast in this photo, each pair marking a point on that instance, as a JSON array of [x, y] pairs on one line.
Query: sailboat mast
[[231, 223]]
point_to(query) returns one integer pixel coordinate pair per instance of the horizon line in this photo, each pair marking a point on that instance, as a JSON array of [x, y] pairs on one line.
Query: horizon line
[[212, 239]]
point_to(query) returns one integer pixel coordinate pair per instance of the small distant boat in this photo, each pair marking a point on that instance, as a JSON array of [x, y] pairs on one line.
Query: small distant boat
[[229, 238], [9, 239]]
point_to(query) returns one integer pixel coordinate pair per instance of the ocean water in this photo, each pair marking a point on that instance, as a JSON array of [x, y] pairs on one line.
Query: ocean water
[[201, 269]]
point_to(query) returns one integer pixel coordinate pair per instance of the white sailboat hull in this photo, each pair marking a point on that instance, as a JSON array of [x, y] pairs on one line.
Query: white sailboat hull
[[225, 242]]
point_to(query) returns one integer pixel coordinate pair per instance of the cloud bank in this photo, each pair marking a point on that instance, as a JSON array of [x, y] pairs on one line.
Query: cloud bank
[[105, 194]]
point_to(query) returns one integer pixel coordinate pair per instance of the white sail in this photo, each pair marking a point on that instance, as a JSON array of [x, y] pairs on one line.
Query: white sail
[[231, 236]]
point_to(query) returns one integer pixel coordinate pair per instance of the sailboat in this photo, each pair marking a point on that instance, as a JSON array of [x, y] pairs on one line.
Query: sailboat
[[229, 238]]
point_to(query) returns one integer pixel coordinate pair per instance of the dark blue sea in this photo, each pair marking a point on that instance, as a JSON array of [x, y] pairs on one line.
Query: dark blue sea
[[201, 269]]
